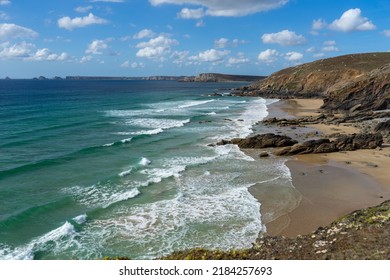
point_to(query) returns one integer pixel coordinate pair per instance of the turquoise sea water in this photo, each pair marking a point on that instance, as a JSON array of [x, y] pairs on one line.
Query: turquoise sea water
[[123, 168]]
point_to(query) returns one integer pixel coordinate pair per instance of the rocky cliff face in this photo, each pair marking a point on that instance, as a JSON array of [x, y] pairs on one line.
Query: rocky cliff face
[[369, 91], [344, 82]]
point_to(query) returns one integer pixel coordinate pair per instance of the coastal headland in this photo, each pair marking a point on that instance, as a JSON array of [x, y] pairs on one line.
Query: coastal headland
[[332, 126]]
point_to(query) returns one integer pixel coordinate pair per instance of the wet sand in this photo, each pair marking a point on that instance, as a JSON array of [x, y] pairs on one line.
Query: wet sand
[[326, 186]]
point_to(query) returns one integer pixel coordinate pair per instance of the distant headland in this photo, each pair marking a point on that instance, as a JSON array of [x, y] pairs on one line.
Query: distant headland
[[203, 77]]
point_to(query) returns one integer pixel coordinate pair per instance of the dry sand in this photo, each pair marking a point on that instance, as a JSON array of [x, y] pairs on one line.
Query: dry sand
[[329, 185]]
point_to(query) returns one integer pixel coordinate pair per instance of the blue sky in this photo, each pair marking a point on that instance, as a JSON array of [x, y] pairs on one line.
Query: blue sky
[[183, 37]]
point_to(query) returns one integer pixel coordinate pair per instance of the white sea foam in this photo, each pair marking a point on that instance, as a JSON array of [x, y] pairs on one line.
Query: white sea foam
[[109, 144], [144, 161], [102, 195], [194, 103], [211, 113], [127, 140], [81, 219], [157, 123], [148, 132], [125, 173]]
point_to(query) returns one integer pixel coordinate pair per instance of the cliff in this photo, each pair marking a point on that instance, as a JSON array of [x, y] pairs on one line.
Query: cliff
[[216, 77], [344, 82]]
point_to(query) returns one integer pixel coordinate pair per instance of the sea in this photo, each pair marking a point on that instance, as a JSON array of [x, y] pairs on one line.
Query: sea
[[92, 169]]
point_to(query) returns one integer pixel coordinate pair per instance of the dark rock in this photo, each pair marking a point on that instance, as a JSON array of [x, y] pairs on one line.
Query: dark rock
[[269, 140], [383, 127], [342, 143], [264, 154]]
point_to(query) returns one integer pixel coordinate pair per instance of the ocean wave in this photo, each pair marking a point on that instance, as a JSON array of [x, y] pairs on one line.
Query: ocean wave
[[144, 161], [102, 195], [53, 241], [194, 103], [125, 173], [81, 219]]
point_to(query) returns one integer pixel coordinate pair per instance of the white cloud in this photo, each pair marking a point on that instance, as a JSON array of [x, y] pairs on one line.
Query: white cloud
[[239, 60], [85, 9], [186, 13], [284, 38], [133, 65], [20, 50], [27, 51], [268, 56], [4, 16], [13, 31], [96, 46], [317, 55], [4, 2], [85, 59], [311, 49], [200, 23], [293, 56], [179, 57], [144, 33], [78, 22], [214, 56], [318, 24], [330, 46], [156, 48], [47, 55], [386, 33], [228, 7], [221, 43], [352, 20]]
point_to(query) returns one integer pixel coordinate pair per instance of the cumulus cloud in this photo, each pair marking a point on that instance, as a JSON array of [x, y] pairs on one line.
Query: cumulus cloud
[[78, 22], [221, 43], [352, 20], [156, 48], [4, 2], [268, 56], [19, 50], [82, 9], [96, 46], [86, 58], [212, 55], [13, 31], [284, 38], [27, 51], [144, 33], [46, 55], [228, 7], [186, 13], [330, 46], [293, 56], [237, 61]]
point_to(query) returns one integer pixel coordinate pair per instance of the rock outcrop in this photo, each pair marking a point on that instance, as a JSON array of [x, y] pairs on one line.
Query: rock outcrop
[[369, 91], [260, 141], [342, 143]]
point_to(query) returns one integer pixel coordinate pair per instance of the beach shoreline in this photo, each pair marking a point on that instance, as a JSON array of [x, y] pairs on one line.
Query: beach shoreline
[[328, 186]]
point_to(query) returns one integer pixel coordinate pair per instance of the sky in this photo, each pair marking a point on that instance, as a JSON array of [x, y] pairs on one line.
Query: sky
[[183, 37]]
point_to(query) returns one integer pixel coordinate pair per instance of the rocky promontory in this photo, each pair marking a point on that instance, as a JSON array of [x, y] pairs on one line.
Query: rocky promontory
[[356, 81]]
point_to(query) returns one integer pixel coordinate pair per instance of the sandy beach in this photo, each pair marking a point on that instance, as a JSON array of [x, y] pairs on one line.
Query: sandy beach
[[326, 186]]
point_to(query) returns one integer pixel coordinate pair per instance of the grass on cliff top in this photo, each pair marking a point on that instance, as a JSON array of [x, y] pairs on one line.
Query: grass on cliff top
[[364, 62]]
